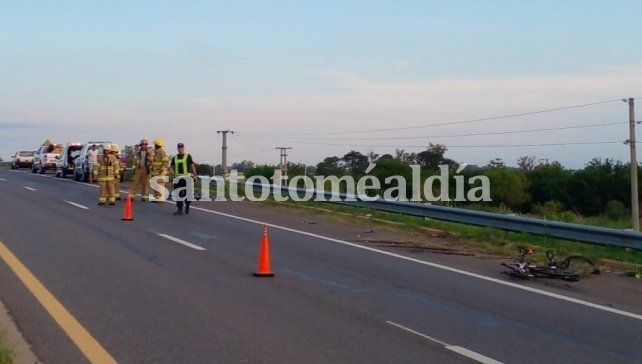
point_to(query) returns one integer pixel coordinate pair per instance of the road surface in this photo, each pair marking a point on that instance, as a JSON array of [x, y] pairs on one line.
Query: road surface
[[167, 288]]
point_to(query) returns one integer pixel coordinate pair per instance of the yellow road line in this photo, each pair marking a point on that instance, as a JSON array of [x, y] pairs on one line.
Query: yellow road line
[[78, 334]]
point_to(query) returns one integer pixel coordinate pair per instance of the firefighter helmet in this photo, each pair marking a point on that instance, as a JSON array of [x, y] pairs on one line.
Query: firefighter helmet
[[160, 142]]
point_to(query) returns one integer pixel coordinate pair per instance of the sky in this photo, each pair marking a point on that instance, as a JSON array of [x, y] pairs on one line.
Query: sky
[[324, 77]]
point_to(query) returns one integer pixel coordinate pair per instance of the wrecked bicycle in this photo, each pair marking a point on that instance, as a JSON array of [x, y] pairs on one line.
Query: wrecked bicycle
[[571, 268]]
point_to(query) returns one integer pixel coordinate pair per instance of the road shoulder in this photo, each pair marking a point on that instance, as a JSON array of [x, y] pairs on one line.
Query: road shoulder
[[14, 340]]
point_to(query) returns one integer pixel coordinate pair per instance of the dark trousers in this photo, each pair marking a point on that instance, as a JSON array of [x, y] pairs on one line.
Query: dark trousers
[[182, 183]]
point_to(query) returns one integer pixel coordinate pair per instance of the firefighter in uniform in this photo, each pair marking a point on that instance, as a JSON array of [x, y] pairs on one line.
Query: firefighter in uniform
[[142, 167], [114, 151], [160, 163], [105, 171]]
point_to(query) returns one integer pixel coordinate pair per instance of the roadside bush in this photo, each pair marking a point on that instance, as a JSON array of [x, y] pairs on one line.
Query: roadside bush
[[615, 210]]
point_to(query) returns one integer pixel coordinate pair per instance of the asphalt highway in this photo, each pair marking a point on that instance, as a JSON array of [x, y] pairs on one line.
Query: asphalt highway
[[166, 288]]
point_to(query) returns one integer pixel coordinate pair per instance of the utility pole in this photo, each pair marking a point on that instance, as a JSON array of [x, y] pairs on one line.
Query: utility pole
[[224, 150], [283, 163], [635, 208]]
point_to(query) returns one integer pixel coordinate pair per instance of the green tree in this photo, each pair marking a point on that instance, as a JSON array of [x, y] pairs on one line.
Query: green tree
[[329, 167], [393, 167], [242, 166], [526, 163], [203, 169], [549, 182], [355, 163], [508, 188], [264, 170], [601, 181], [128, 151], [433, 156], [496, 163]]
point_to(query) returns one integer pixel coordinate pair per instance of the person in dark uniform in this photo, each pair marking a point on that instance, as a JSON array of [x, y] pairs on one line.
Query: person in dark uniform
[[182, 167]]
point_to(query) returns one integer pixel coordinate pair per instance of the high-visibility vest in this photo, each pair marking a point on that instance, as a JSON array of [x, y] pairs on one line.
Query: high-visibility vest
[[180, 165]]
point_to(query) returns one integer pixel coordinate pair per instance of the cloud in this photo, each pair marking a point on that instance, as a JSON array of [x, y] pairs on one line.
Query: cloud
[[356, 94], [339, 100]]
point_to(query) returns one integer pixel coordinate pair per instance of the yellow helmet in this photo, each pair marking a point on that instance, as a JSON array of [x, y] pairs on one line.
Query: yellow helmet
[[106, 147], [114, 148], [160, 142]]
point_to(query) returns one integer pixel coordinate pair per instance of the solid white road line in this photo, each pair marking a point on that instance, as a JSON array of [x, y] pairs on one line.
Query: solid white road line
[[472, 355], [77, 205], [182, 242], [454, 348], [417, 333], [30, 189], [57, 178], [3, 180], [435, 265]]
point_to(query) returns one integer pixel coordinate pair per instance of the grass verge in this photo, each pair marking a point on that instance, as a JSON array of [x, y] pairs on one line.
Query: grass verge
[[479, 239], [5, 354]]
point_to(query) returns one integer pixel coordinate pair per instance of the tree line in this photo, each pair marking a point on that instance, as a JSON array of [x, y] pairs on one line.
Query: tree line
[[538, 187]]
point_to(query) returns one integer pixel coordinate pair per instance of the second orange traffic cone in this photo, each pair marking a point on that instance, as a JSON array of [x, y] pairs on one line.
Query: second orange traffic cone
[[128, 210], [263, 269]]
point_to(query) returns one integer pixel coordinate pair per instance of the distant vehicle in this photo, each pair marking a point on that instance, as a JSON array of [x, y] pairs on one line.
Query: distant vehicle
[[81, 164], [65, 164], [45, 158], [22, 159]]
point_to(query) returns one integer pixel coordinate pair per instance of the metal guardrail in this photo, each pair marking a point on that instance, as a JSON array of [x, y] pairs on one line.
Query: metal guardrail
[[554, 229]]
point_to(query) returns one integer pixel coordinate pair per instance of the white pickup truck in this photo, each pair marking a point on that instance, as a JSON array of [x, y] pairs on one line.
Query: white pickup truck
[[45, 158]]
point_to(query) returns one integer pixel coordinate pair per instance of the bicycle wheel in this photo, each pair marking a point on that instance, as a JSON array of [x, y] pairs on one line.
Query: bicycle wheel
[[581, 264], [555, 272], [514, 270]]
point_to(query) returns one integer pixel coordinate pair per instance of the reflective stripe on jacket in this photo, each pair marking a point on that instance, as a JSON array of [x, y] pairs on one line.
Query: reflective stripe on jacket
[[107, 168], [160, 162]]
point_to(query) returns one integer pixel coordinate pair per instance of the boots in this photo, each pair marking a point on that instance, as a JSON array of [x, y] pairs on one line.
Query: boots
[[180, 209]]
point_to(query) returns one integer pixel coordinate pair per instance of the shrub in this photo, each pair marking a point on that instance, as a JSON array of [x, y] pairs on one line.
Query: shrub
[[615, 210]]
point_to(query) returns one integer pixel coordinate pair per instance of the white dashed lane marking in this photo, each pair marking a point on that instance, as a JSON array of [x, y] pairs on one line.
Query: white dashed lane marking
[[454, 348], [77, 205], [182, 242]]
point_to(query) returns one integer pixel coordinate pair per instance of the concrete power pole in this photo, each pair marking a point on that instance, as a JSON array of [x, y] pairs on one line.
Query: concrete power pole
[[635, 208], [224, 150], [283, 163]]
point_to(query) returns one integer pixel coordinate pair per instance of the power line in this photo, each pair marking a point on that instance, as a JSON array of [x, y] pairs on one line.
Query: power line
[[481, 134], [506, 116], [455, 146]]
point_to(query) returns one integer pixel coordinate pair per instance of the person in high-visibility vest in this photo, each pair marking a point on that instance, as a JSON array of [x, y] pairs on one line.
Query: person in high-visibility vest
[[106, 169], [182, 167], [160, 162], [142, 168]]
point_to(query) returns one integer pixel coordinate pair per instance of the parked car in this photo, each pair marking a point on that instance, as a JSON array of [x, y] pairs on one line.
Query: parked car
[[81, 164], [22, 159], [45, 158], [65, 164]]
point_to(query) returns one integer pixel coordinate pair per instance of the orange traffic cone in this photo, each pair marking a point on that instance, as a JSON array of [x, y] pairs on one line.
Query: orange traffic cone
[[128, 210], [263, 269]]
